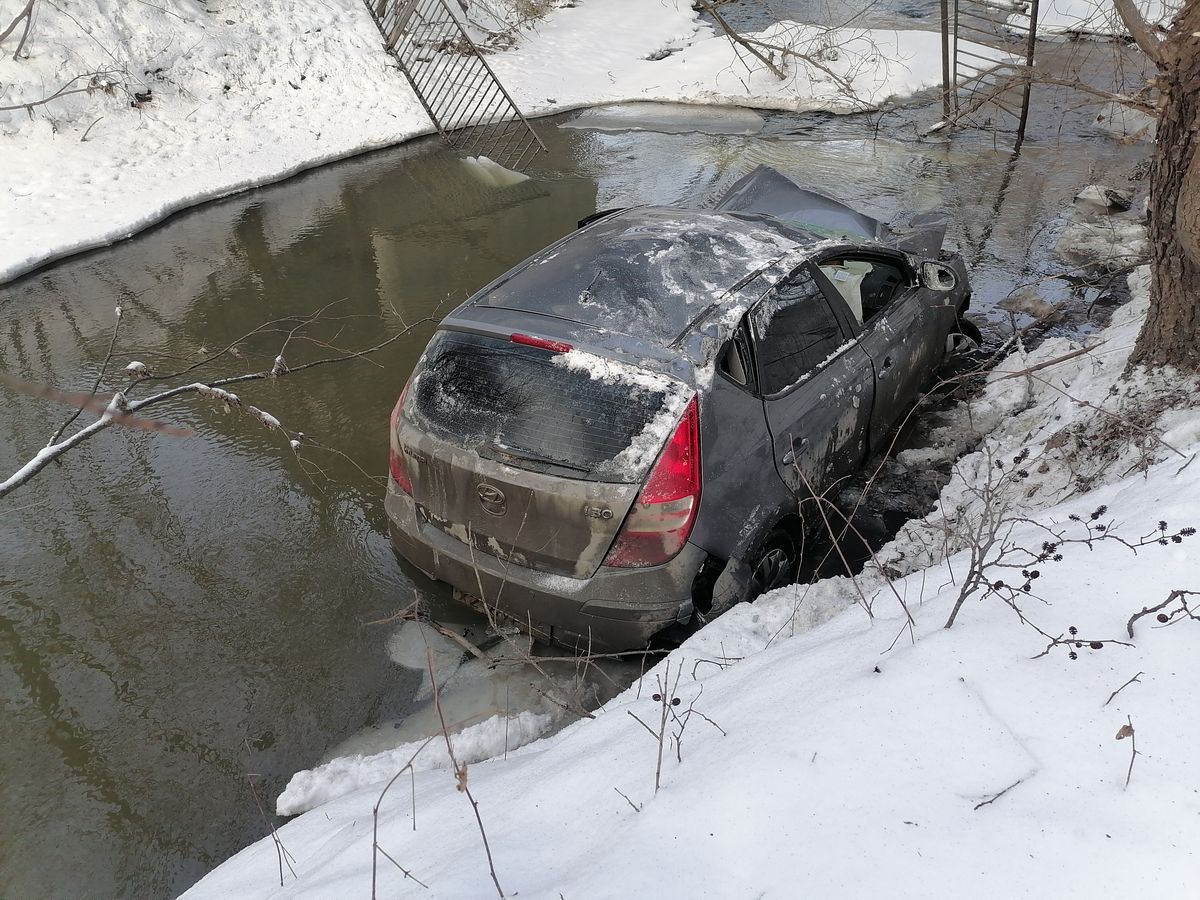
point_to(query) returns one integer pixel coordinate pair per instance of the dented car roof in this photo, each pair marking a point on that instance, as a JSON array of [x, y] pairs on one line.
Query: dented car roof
[[647, 272], [664, 285]]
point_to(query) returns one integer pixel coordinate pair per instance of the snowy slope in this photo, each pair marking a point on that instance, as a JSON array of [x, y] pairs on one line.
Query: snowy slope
[[853, 759], [243, 92], [1098, 17]]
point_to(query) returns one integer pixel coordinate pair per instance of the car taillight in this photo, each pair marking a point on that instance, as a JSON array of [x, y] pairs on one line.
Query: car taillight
[[397, 467], [660, 521]]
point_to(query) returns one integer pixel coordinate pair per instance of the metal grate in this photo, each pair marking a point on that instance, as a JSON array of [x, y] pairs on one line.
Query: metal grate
[[976, 88], [465, 100]]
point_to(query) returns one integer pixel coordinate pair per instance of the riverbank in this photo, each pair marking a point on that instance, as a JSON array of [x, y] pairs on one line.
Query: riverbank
[[171, 108], [837, 736]]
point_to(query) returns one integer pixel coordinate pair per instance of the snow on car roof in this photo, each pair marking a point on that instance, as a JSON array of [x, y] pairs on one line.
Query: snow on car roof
[[648, 272]]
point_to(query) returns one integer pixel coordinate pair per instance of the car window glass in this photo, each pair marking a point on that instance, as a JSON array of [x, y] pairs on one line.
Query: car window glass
[[494, 396], [795, 331], [867, 285], [731, 363], [735, 360]]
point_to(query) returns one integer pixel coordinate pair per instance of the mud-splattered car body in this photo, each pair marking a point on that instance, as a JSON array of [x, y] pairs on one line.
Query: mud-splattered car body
[[613, 437]]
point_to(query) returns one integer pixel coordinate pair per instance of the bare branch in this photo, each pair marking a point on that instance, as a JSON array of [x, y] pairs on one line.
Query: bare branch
[[1180, 596], [407, 767], [997, 796], [636, 808], [1132, 680], [64, 91], [738, 40], [1139, 29], [281, 852], [25, 14], [1127, 731], [118, 409], [99, 378], [460, 771]]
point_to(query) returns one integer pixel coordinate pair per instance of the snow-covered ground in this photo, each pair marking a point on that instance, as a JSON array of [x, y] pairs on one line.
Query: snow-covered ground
[[182, 102], [818, 750], [1099, 17]]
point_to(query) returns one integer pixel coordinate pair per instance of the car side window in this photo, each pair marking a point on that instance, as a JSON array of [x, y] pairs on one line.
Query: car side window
[[866, 284], [795, 331], [735, 360]]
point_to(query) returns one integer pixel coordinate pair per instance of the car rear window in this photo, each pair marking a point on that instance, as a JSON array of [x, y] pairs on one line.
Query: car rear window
[[572, 413]]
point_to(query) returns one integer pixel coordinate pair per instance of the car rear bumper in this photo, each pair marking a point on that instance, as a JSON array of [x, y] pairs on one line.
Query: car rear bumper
[[615, 609]]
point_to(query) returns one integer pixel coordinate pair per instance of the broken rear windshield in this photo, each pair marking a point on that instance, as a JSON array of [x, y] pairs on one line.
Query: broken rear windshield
[[572, 413]]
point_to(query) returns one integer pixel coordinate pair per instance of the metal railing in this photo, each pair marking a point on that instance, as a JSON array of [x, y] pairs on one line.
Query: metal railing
[[464, 99], [975, 86]]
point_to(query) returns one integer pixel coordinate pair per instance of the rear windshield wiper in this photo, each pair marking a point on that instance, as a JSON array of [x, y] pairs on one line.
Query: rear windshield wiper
[[530, 456]]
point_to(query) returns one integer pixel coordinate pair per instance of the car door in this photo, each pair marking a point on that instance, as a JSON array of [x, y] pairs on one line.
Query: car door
[[817, 384], [900, 329]]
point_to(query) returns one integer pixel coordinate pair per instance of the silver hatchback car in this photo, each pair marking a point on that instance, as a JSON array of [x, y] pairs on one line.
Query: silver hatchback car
[[617, 435]]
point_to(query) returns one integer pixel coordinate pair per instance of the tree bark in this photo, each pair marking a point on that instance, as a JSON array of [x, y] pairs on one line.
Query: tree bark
[[1171, 335]]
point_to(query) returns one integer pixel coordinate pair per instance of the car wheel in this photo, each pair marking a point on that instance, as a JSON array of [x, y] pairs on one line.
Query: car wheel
[[775, 564], [971, 330]]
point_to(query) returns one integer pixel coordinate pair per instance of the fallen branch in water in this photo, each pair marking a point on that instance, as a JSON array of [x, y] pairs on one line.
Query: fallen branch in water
[[122, 407]]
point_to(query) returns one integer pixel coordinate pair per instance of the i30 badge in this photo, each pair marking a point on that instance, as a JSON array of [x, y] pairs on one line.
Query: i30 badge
[[492, 499]]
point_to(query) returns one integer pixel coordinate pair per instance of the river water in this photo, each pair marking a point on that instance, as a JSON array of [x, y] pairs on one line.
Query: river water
[[184, 618]]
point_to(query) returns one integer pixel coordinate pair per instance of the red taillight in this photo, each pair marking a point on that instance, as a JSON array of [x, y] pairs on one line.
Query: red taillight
[[397, 467], [541, 343], [660, 521]]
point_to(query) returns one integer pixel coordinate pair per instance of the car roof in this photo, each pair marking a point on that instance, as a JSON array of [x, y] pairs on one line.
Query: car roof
[[664, 286], [647, 272]]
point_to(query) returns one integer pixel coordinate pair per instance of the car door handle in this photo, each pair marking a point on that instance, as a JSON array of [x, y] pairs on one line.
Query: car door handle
[[887, 365], [790, 456]]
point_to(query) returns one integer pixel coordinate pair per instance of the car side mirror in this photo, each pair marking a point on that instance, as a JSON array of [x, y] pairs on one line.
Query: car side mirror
[[937, 276]]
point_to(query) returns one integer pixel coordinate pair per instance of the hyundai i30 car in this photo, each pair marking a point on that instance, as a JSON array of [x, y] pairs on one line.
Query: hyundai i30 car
[[615, 437]]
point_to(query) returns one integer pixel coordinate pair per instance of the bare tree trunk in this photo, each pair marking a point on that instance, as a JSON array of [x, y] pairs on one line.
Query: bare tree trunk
[[1171, 335]]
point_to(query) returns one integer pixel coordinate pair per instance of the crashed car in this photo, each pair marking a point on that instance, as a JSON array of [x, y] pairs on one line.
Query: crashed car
[[612, 438]]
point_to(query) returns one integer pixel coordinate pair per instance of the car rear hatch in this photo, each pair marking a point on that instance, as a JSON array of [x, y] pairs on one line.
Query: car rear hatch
[[529, 450]]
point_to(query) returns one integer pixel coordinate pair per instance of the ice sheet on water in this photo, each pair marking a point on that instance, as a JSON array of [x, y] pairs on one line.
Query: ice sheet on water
[[669, 118], [491, 173]]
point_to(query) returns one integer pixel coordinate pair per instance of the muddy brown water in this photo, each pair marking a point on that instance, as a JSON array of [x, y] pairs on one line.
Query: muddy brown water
[[178, 613]]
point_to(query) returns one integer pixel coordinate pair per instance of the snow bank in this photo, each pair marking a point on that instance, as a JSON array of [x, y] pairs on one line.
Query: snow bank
[[864, 757], [1099, 17], [182, 103], [836, 752], [312, 787]]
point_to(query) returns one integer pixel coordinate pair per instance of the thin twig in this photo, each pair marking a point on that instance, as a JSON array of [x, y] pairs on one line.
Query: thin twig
[[995, 797], [120, 410], [64, 91], [112, 343], [636, 808], [1122, 687], [1127, 731], [1147, 610], [460, 772], [375, 819], [281, 852], [25, 14], [89, 129]]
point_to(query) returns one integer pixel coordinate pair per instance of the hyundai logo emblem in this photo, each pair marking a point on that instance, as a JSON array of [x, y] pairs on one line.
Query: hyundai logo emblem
[[492, 499]]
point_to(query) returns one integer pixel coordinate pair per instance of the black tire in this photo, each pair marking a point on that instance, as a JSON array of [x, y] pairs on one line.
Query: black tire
[[775, 564]]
